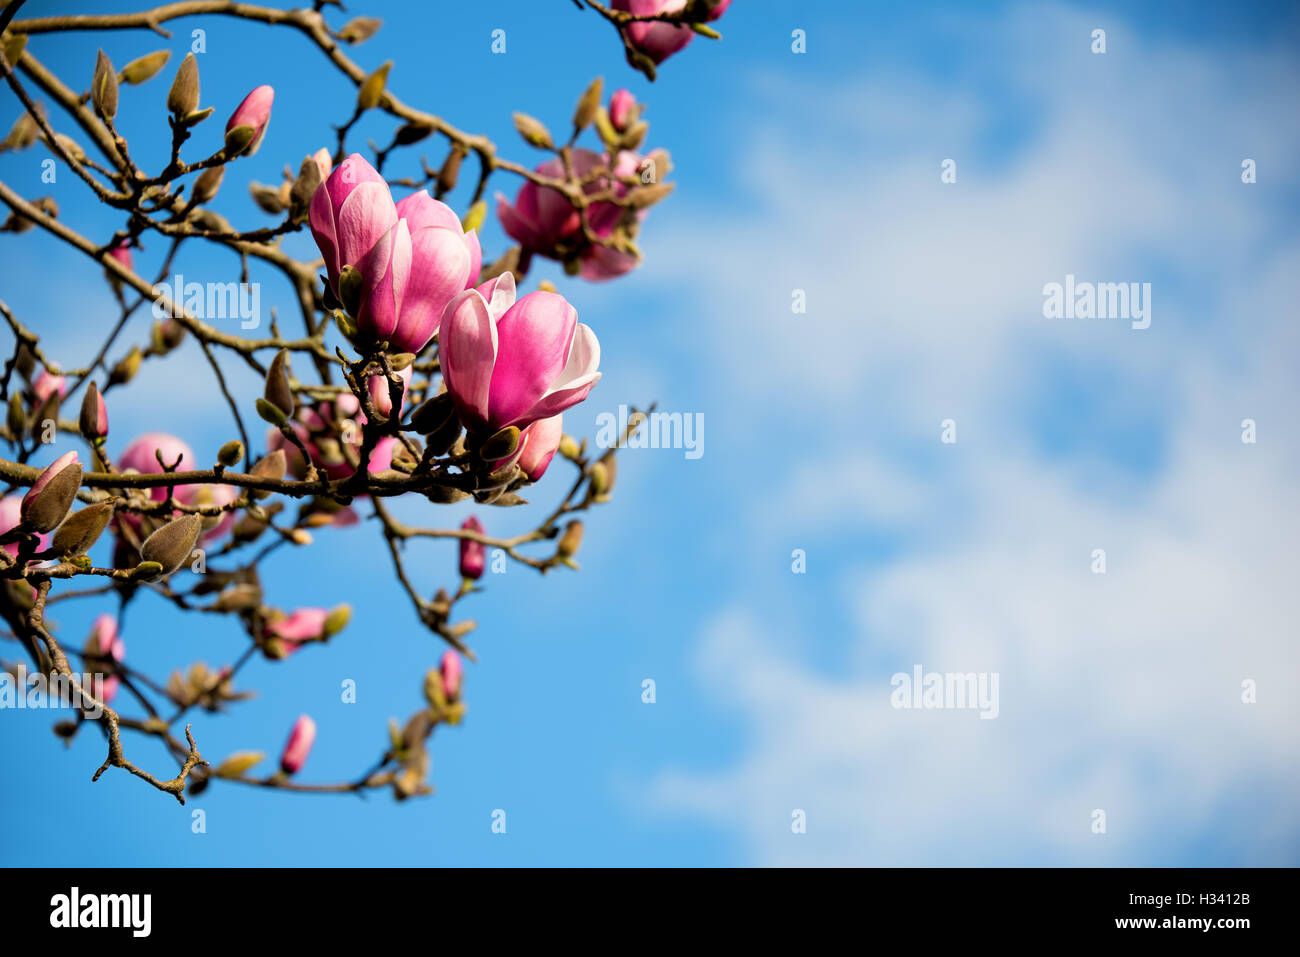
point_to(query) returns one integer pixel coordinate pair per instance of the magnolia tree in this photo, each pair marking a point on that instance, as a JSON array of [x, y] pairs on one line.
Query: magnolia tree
[[416, 367]]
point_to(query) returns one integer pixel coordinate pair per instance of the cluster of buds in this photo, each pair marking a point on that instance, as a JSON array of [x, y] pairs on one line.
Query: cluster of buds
[[295, 190]]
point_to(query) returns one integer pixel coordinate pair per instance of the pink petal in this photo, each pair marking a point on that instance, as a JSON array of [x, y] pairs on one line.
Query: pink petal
[[467, 349], [440, 268], [535, 337]]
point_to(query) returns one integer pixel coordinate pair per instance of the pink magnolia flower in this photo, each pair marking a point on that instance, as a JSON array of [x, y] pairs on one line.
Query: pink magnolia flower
[[621, 105], [122, 253], [301, 738], [382, 397], [302, 625], [656, 39], [511, 363], [413, 256], [47, 384], [350, 212], [451, 674], [10, 515], [139, 456], [104, 642], [255, 112], [543, 221], [537, 446], [43, 480], [473, 555]]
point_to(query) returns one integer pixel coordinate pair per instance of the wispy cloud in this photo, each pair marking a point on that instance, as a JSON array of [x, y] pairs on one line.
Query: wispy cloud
[[1119, 691]]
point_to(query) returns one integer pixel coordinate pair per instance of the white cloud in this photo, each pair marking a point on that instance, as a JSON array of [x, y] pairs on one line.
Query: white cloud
[[1118, 691]]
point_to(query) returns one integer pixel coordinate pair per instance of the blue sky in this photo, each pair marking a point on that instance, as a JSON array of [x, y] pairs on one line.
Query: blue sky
[[817, 172]]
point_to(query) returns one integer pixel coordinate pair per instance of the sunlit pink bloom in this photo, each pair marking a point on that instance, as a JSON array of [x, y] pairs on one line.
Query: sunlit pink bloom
[[299, 626], [511, 363], [621, 105], [140, 456], [544, 222], [350, 213], [380, 395], [10, 515], [537, 445], [656, 39], [451, 674], [104, 641], [254, 111], [413, 256], [301, 738], [122, 253], [473, 555], [47, 384]]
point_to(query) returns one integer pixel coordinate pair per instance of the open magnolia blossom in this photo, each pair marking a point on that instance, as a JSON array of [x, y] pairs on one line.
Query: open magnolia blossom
[[543, 220], [512, 363], [141, 455], [412, 256]]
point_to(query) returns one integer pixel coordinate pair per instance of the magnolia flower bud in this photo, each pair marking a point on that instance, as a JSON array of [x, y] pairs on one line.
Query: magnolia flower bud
[[50, 497], [144, 68], [172, 544], [450, 172], [336, 620], [301, 738], [533, 130], [501, 445], [571, 540], [451, 674], [473, 555], [239, 764], [126, 368], [588, 104], [278, 391], [372, 88], [432, 414], [270, 412], [621, 107], [207, 184], [434, 692], [304, 186], [82, 529], [272, 466], [17, 416], [230, 453], [183, 97], [247, 125], [94, 414], [243, 597], [103, 87]]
